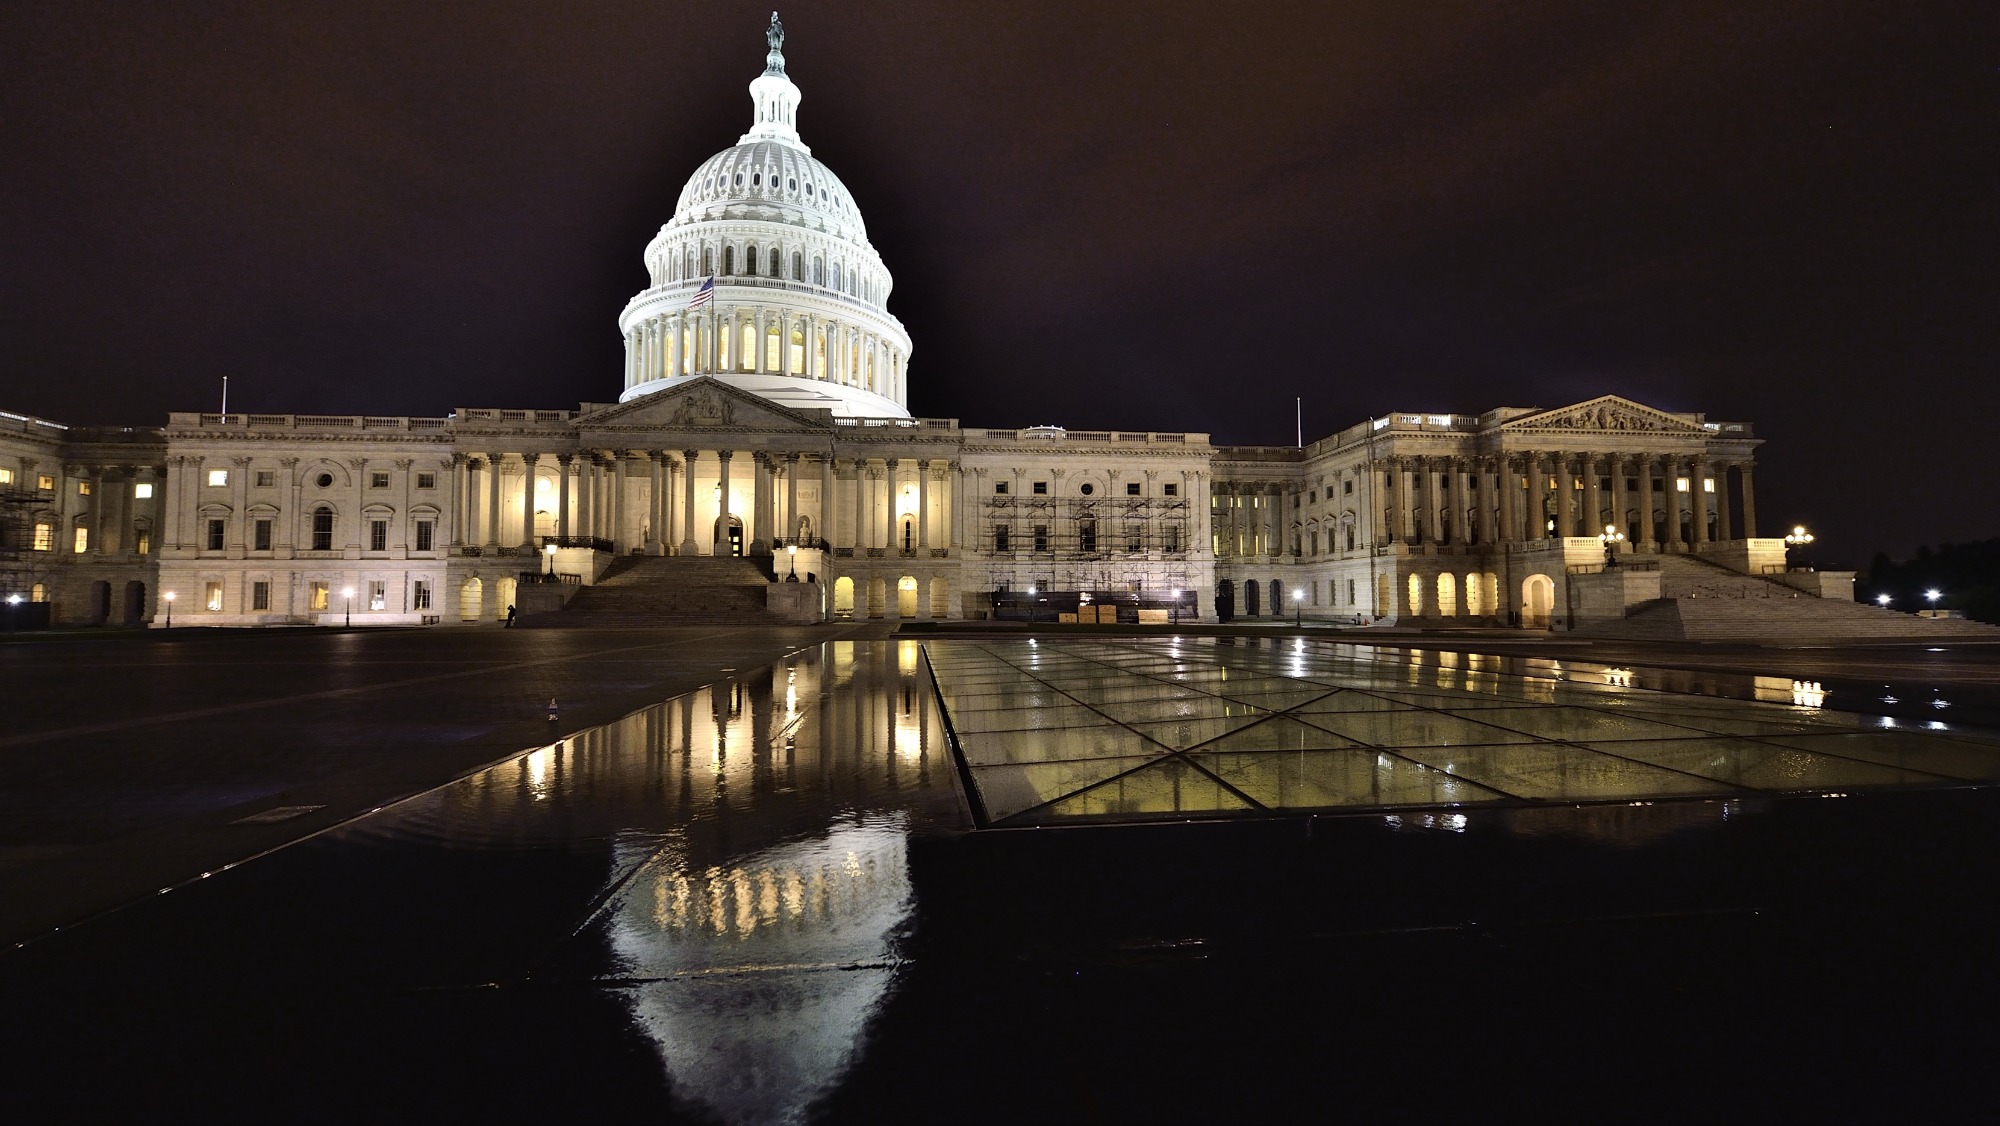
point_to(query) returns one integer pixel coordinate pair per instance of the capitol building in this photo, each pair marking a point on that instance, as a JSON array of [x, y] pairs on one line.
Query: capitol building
[[763, 417]]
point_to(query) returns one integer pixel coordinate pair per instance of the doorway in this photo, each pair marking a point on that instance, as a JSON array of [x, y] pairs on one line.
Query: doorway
[[729, 536]]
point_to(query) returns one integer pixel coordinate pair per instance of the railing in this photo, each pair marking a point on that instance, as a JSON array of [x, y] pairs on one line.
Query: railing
[[1597, 568], [472, 550], [750, 281], [564, 578], [590, 542], [309, 421]]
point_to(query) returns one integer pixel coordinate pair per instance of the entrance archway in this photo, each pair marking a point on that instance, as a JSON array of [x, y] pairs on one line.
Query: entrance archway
[[100, 603], [1249, 598], [470, 596], [909, 533], [843, 597], [135, 603], [1538, 598], [728, 536], [1225, 601], [906, 596], [503, 596]]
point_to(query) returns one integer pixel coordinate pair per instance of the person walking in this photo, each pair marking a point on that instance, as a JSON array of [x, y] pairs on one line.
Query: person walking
[[510, 616]]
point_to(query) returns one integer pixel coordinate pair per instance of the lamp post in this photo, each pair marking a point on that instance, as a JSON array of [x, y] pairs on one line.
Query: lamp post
[[169, 596], [13, 610], [1932, 595], [1298, 607], [1797, 537], [549, 550], [349, 594], [1882, 600], [1611, 537], [1174, 613], [792, 554]]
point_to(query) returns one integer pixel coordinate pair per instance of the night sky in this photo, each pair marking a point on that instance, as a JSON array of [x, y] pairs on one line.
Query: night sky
[[1160, 216]]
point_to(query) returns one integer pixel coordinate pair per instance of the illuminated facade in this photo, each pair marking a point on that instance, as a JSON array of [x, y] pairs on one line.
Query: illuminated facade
[[766, 414]]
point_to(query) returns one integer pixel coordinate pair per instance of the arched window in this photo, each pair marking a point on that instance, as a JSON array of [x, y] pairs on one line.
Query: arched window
[[1447, 595], [819, 271], [798, 266], [773, 358], [749, 334], [795, 355], [707, 261], [773, 259], [728, 261], [750, 261], [836, 275]]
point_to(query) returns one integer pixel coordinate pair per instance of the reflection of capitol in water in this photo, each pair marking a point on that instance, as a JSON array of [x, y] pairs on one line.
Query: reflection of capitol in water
[[756, 876]]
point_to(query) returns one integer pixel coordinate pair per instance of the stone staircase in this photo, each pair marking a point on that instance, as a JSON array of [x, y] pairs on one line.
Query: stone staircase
[[665, 590], [1704, 601]]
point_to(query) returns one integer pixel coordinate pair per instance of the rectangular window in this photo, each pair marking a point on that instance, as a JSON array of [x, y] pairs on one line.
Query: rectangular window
[[260, 596], [211, 598], [378, 594], [1173, 539], [143, 542], [427, 481], [316, 596], [1000, 538], [1708, 484], [6, 476], [1350, 592], [1312, 496], [420, 595], [1172, 490], [1041, 537], [216, 530], [378, 480], [266, 478], [261, 531], [81, 543], [142, 491], [378, 535], [999, 488], [323, 529], [1131, 488], [83, 488], [1086, 536], [45, 483], [1040, 488], [45, 537], [1680, 484], [217, 478], [424, 535], [1135, 538]]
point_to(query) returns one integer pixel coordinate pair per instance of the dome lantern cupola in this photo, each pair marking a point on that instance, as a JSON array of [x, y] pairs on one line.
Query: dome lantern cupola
[[776, 97]]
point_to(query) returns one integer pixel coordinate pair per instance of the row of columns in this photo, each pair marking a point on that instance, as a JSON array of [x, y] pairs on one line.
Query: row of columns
[[1437, 500], [1252, 528], [710, 341]]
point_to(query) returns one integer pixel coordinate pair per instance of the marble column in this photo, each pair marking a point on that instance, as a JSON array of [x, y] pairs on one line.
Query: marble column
[[793, 464], [825, 520], [1593, 499], [490, 480], [1507, 487], [761, 501], [1724, 510], [669, 507], [563, 528], [923, 508], [1749, 503], [1645, 475], [530, 466], [1698, 486], [656, 486], [724, 503], [586, 495], [1565, 496], [688, 546]]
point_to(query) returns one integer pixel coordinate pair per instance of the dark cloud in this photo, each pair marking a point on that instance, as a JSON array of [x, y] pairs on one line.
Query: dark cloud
[[1173, 216]]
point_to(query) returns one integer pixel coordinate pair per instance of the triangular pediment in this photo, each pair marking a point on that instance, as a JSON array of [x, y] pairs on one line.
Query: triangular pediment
[[1606, 413], [702, 404]]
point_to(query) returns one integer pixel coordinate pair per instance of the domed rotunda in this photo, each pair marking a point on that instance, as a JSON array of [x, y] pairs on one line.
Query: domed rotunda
[[797, 312]]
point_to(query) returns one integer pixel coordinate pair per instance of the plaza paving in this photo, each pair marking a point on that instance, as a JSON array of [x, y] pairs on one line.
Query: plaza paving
[[733, 882]]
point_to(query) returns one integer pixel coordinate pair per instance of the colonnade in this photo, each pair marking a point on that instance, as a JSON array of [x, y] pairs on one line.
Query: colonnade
[[1252, 520], [1438, 500], [647, 499], [761, 339]]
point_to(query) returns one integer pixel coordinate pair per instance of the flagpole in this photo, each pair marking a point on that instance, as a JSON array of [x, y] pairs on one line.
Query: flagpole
[[1299, 420]]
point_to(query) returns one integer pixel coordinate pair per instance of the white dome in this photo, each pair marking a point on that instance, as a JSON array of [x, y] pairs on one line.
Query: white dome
[[799, 308]]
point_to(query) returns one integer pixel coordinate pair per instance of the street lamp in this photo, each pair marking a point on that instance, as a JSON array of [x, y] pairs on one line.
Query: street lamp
[[549, 549], [1174, 614], [1298, 607], [1611, 537], [169, 596], [792, 553], [1932, 595], [13, 609], [1798, 536], [1882, 600], [349, 593]]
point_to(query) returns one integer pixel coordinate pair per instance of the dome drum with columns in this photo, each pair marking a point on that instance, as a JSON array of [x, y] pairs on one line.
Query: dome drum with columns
[[798, 313]]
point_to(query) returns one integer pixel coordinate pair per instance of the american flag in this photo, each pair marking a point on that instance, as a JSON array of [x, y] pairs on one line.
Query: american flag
[[703, 295]]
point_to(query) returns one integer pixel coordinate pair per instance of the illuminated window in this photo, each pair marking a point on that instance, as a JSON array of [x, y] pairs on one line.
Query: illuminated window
[[45, 482], [260, 596], [1680, 484], [81, 543], [427, 480], [217, 478], [211, 598], [1708, 484], [38, 593], [260, 533], [420, 595], [1416, 594], [378, 480], [142, 542], [216, 530], [142, 491], [378, 535], [424, 530], [45, 537], [316, 596], [266, 478], [6, 476], [378, 594], [83, 488]]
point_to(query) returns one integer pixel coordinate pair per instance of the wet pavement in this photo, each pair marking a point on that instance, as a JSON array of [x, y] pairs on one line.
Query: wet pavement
[[758, 901]]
